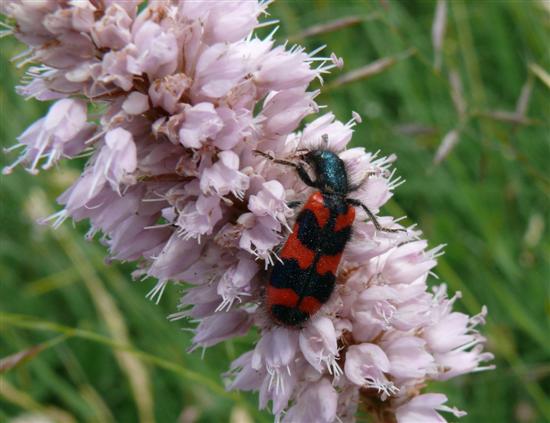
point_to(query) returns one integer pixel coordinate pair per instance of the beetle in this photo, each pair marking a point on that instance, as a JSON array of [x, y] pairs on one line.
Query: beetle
[[304, 277]]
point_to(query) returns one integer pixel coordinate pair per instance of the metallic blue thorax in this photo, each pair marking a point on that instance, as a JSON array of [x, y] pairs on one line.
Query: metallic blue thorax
[[330, 170]]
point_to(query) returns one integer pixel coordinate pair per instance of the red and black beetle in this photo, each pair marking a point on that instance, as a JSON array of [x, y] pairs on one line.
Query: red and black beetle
[[303, 280]]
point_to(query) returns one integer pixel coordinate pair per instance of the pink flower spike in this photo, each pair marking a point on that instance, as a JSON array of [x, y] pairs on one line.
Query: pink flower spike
[[187, 106]]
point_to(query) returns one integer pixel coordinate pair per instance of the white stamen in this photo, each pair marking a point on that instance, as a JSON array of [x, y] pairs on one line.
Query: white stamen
[[157, 291]]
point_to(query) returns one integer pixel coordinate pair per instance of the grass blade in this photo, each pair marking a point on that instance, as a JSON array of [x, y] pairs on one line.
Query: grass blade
[[331, 26], [15, 360], [438, 31], [540, 73], [372, 69], [31, 323]]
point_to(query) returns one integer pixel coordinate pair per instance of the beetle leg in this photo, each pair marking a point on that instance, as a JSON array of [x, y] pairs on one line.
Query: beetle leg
[[372, 217]]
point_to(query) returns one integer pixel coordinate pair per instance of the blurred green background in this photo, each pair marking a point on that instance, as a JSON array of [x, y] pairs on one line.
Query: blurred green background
[[93, 349]]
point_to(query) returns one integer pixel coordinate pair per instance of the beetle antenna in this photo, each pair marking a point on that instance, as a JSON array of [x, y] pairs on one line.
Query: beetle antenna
[[324, 137], [274, 160]]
